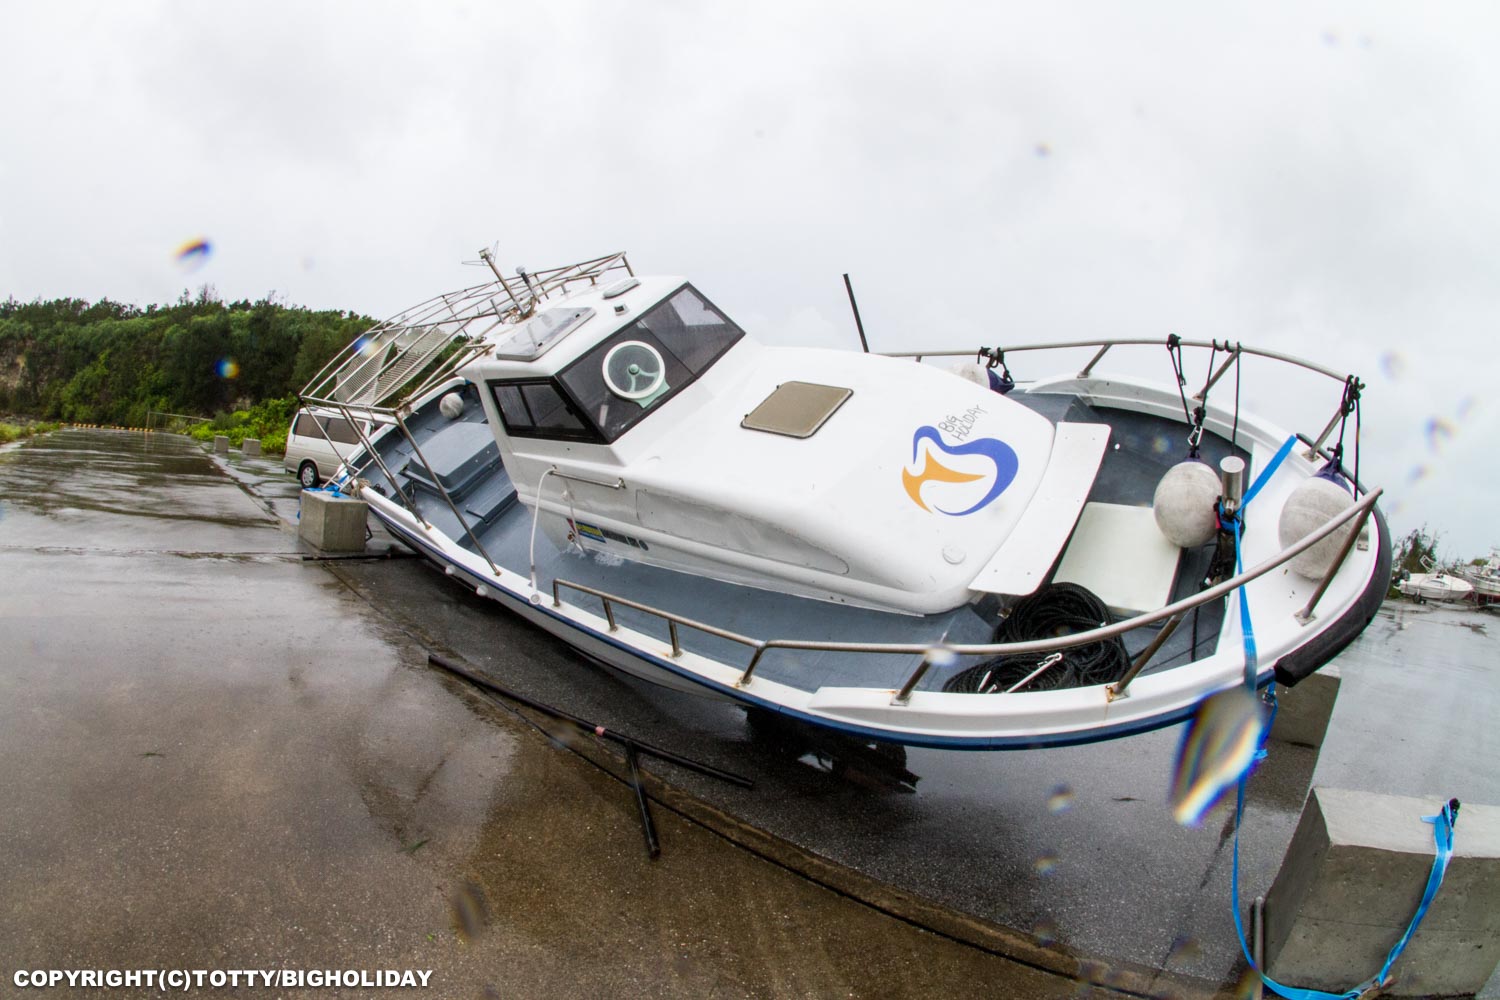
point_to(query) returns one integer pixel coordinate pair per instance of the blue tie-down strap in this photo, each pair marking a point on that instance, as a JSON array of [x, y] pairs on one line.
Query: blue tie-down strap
[[1442, 835], [1269, 470], [1237, 519], [331, 487]]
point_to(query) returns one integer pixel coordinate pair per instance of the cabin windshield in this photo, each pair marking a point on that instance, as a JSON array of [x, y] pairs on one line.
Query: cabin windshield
[[648, 362]]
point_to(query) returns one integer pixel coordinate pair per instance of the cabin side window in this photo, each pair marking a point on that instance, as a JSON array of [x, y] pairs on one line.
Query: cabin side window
[[538, 408]]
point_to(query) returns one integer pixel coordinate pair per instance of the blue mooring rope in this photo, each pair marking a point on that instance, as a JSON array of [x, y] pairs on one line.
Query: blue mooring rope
[[1442, 823], [329, 487]]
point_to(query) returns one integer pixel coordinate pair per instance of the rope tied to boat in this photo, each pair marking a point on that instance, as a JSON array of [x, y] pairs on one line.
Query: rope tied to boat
[[1197, 414], [1348, 405], [992, 358], [1059, 610]]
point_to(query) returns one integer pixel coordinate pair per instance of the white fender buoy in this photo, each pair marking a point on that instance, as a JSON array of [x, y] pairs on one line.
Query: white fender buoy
[[452, 405], [1309, 507], [974, 372], [1184, 503]]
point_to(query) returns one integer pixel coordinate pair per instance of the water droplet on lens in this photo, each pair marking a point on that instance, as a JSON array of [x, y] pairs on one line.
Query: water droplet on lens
[[941, 657], [1061, 799], [1045, 864], [1248, 987], [1184, 948], [1089, 974], [1393, 365], [1045, 930], [470, 912], [1218, 745], [1438, 431], [192, 254]]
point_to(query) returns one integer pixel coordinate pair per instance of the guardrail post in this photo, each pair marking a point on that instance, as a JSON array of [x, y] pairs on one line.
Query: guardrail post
[[1202, 394], [754, 662], [938, 655], [1117, 689], [1094, 361]]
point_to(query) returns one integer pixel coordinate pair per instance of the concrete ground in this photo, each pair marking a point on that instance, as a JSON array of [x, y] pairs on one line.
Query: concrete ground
[[217, 756], [372, 798]]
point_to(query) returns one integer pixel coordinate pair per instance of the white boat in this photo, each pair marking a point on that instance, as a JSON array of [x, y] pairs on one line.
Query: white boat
[[1439, 586], [1485, 579], [862, 542]]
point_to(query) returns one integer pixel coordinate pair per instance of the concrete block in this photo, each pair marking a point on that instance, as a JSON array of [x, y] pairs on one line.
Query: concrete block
[[1302, 712], [221, 445], [1351, 881], [250, 446], [332, 523]]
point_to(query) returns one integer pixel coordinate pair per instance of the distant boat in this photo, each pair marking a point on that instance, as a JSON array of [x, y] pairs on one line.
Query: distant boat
[[1441, 586], [866, 543], [1485, 579]]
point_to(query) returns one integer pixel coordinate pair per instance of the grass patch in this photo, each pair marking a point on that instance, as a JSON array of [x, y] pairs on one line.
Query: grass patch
[[15, 432], [266, 421]]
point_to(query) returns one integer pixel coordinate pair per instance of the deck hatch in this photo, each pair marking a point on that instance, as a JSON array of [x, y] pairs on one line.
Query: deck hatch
[[796, 409], [541, 333]]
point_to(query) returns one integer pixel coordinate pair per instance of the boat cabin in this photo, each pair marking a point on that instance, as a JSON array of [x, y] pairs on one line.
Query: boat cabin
[[648, 426]]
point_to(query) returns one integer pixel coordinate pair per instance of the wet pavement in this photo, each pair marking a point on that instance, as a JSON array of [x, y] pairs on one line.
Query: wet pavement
[[235, 756], [218, 756]]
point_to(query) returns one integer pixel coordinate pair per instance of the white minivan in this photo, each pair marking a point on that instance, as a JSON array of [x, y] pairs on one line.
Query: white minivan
[[314, 454]]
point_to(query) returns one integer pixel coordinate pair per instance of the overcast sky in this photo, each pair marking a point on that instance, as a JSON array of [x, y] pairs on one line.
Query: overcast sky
[[1316, 178]]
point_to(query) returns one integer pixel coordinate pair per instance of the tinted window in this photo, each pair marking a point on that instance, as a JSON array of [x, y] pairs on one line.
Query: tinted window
[[512, 406], [340, 431], [692, 329], [549, 411], [688, 335], [337, 429], [539, 409]]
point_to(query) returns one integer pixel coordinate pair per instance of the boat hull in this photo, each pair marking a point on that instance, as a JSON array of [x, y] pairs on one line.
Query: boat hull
[[661, 670]]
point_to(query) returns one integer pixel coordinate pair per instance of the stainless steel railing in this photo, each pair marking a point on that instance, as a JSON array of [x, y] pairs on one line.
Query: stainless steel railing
[[1358, 513]]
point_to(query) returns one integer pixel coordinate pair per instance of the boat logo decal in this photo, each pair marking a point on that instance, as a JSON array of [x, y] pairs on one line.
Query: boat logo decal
[[963, 483]]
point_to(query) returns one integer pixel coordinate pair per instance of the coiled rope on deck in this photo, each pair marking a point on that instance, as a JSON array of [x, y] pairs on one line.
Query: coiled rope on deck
[[1055, 611]]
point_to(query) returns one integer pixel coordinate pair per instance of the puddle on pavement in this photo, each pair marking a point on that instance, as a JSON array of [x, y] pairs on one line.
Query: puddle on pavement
[[108, 489]]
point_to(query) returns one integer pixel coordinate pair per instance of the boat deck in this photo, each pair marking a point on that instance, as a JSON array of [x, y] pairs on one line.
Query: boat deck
[[465, 459]]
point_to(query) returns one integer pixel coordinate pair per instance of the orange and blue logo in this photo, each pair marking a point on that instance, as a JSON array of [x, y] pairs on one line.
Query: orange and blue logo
[[975, 474]]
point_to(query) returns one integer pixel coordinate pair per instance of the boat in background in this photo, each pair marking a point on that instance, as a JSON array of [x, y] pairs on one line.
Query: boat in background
[[1485, 579], [1439, 586], [873, 544]]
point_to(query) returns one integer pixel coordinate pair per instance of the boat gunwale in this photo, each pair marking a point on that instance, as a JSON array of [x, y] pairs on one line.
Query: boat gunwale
[[1360, 508]]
